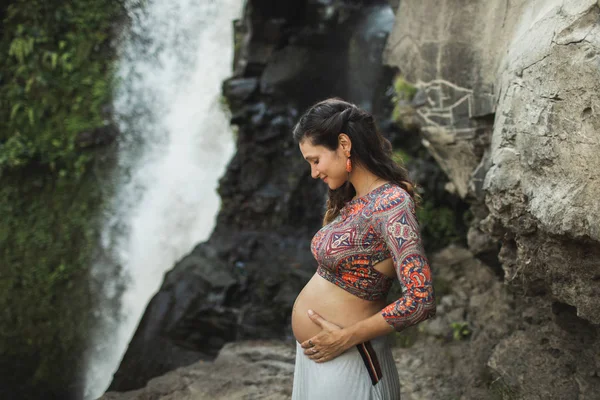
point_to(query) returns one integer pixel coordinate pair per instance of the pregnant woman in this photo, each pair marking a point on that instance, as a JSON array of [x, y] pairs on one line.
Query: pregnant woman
[[370, 236]]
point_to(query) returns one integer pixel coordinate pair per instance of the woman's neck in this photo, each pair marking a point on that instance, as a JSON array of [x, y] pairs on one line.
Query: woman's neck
[[364, 181]]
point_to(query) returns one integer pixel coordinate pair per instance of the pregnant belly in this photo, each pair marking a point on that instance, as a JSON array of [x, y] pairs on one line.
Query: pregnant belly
[[332, 303]]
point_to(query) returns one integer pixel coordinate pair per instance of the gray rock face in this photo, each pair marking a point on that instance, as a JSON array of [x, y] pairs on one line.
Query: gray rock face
[[436, 47], [511, 114], [556, 360], [509, 107], [252, 370], [543, 183], [474, 312], [512, 347]]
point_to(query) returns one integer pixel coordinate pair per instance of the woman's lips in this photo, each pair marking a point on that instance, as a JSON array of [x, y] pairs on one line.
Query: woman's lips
[[325, 180]]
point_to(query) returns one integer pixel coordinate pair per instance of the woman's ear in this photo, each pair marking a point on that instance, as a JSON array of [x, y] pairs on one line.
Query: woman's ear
[[344, 142]]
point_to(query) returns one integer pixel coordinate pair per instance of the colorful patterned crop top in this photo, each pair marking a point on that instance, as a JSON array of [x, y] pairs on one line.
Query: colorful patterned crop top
[[370, 229]]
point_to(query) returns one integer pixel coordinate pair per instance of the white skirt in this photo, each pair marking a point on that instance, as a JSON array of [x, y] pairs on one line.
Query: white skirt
[[364, 372]]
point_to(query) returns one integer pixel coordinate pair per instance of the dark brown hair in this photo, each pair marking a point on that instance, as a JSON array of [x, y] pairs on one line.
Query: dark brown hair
[[323, 123]]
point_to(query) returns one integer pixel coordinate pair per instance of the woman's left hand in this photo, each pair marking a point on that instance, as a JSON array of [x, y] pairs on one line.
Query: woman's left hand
[[328, 344]]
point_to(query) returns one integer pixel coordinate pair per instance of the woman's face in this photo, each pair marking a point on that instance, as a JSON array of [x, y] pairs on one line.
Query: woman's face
[[330, 166]]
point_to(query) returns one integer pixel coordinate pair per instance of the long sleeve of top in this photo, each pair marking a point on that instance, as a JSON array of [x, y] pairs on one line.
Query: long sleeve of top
[[397, 224]]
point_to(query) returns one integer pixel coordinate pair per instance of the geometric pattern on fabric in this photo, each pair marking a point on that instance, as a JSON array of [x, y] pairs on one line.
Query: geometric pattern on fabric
[[379, 225]]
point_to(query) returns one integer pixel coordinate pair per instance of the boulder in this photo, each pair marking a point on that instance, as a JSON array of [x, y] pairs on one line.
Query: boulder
[[511, 89], [508, 93], [252, 370]]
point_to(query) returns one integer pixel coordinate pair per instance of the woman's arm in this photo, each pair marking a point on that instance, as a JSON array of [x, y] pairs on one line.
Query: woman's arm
[[397, 225]]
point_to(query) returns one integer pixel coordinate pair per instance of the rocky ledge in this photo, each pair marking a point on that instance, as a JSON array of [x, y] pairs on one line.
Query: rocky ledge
[[251, 370], [479, 323]]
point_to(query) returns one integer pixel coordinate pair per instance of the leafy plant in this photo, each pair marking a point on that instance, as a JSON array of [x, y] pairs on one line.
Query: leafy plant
[[401, 157], [405, 92], [460, 330], [56, 75], [438, 223], [403, 113]]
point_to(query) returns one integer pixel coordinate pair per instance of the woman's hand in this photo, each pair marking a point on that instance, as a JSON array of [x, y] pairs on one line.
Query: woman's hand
[[328, 344]]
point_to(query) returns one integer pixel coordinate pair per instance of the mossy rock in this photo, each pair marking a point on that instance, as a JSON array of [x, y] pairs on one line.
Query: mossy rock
[[403, 113], [404, 91]]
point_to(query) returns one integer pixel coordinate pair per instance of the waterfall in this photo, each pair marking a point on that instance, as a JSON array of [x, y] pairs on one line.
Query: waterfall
[[175, 144]]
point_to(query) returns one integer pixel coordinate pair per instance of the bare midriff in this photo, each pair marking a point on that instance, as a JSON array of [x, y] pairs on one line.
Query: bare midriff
[[332, 303]]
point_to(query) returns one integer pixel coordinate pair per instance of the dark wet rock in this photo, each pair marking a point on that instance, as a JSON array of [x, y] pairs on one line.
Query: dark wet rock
[[284, 67], [238, 90]]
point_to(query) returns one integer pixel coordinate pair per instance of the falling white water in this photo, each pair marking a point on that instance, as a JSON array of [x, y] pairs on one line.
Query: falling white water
[[175, 144]]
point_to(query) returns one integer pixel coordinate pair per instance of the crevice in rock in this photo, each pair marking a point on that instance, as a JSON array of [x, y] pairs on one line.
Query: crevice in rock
[[565, 316]]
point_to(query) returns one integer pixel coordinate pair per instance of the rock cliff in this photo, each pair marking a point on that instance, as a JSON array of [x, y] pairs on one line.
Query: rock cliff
[[508, 105]]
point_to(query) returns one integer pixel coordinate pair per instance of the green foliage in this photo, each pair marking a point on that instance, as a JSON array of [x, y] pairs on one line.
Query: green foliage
[[55, 79], [403, 112], [56, 74], [47, 235], [438, 224], [401, 157], [405, 92], [460, 330]]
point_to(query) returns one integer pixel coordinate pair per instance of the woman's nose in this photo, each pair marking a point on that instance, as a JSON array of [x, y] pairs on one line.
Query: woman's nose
[[314, 173]]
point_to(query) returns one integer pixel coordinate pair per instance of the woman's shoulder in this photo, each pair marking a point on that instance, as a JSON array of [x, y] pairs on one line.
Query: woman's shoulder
[[392, 197]]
